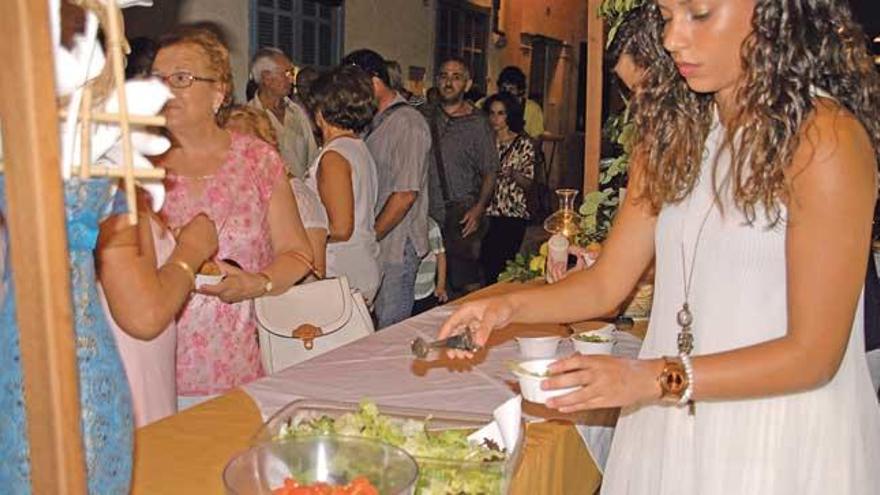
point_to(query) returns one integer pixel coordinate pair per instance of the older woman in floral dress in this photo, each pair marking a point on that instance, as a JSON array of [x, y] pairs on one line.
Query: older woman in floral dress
[[239, 181]]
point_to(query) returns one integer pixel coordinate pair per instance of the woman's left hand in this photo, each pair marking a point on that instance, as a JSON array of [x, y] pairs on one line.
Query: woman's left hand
[[605, 381], [237, 285]]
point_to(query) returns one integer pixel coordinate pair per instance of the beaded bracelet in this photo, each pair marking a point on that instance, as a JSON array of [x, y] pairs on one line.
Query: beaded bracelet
[[689, 371]]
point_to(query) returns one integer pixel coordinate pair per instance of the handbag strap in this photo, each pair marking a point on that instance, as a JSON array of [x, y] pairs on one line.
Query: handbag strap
[[380, 119], [438, 154], [305, 261]]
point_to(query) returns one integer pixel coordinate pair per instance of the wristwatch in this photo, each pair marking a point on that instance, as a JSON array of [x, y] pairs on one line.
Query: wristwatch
[[268, 286], [673, 380]]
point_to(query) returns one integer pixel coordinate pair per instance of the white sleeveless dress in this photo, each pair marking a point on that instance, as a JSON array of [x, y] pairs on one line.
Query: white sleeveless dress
[[822, 441], [356, 258]]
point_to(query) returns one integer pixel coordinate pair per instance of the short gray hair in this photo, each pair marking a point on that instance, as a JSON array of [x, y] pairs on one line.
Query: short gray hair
[[264, 60]]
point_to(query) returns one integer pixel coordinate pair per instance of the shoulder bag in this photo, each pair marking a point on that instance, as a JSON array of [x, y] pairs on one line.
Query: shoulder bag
[[309, 320]]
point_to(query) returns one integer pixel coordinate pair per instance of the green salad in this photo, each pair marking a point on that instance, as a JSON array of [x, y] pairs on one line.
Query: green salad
[[448, 463], [591, 338]]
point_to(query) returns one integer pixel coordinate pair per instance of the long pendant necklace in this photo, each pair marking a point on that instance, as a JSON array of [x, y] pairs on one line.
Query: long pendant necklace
[[684, 316]]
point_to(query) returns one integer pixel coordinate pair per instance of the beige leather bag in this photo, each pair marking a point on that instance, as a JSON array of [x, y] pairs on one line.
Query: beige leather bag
[[309, 320]]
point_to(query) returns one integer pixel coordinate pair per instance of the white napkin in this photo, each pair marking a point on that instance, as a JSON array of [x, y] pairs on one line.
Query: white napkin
[[505, 429]]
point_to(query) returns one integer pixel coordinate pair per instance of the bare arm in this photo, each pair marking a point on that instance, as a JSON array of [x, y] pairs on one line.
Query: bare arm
[[337, 195], [288, 236], [395, 208], [440, 289], [318, 241], [832, 191], [471, 218], [142, 298], [588, 294]]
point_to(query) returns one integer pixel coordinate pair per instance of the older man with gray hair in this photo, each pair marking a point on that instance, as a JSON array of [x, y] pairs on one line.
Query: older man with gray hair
[[273, 72]]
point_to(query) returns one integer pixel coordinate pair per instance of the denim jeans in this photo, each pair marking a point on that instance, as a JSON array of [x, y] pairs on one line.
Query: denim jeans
[[394, 302]]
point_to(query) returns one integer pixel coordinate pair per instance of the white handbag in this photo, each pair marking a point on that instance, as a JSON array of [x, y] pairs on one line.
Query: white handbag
[[309, 320]]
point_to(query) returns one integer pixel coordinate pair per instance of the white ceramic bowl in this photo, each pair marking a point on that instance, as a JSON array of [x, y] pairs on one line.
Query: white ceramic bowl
[[207, 280], [530, 386], [538, 347], [585, 347]]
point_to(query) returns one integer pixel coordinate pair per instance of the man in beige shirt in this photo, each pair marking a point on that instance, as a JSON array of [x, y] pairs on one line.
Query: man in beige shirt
[[274, 72]]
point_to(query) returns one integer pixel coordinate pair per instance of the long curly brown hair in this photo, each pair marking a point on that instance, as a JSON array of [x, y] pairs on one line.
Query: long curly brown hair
[[795, 47]]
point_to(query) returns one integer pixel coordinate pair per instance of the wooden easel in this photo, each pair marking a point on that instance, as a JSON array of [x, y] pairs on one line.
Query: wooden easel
[[36, 225]]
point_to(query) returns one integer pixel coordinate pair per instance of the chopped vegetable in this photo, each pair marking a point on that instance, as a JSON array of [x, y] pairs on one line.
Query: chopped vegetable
[[592, 338], [448, 462], [358, 486]]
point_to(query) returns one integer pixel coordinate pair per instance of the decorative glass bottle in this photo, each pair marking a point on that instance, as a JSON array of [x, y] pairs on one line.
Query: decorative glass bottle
[[565, 220]]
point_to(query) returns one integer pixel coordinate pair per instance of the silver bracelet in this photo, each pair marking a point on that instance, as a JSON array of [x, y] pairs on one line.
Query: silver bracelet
[[689, 371]]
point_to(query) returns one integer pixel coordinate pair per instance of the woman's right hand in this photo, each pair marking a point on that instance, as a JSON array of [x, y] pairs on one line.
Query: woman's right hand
[[199, 236], [481, 317]]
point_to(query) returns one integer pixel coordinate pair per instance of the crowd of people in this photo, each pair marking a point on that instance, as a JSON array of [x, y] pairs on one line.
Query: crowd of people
[[745, 173], [334, 172]]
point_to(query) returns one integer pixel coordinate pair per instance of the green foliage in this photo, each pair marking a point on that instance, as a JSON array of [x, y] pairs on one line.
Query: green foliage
[[614, 11], [599, 207]]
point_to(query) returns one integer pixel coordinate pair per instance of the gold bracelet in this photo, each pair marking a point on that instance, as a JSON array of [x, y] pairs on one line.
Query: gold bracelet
[[186, 268]]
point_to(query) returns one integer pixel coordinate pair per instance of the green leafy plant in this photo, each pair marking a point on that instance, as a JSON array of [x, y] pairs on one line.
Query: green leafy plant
[[599, 207]]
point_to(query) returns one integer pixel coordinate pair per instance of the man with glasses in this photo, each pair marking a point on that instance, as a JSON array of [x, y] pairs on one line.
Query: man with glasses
[[274, 73]]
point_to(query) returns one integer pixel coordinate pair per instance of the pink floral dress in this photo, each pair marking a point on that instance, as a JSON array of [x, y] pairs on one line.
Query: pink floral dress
[[217, 342]]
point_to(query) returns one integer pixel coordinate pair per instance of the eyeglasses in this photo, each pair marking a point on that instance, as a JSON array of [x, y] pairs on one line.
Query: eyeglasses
[[181, 80]]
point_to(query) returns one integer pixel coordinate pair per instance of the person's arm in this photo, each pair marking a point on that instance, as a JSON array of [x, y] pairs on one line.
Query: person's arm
[[337, 194], [144, 299], [287, 236], [396, 207], [318, 241], [584, 295], [832, 189], [524, 168], [409, 168], [488, 164], [440, 289]]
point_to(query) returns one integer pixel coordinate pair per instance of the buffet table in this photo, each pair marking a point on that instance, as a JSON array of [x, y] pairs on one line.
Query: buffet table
[[186, 453]]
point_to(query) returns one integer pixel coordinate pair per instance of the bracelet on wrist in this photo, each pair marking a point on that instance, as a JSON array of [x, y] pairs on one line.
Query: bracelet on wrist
[[673, 380], [689, 374], [183, 265]]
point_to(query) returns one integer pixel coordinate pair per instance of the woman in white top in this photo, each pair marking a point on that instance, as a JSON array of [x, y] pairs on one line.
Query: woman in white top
[[754, 190], [344, 176]]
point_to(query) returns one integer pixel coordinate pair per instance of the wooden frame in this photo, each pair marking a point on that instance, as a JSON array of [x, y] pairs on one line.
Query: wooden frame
[[593, 96], [37, 238]]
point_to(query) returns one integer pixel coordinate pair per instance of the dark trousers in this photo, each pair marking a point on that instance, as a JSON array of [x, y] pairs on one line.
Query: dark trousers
[[502, 242]]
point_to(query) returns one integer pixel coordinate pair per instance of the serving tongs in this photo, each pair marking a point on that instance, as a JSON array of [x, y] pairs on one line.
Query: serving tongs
[[463, 341]]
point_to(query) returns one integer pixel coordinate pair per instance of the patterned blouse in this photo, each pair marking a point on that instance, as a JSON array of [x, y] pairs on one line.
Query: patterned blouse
[[509, 199], [217, 342]]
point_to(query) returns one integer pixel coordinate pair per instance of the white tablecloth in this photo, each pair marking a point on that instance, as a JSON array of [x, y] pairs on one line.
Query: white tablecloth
[[380, 367]]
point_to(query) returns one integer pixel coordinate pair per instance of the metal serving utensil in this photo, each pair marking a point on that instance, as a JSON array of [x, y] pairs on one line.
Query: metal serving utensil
[[463, 341]]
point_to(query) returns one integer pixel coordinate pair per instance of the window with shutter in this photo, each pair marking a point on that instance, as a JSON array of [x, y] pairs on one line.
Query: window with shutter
[[310, 31], [463, 31]]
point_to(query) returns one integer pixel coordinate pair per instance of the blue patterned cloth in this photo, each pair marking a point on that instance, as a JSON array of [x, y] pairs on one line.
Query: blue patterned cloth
[[105, 400]]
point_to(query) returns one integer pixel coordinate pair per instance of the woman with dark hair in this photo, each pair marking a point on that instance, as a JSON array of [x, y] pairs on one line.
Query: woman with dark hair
[[344, 175], [507, 212], [753, 182]]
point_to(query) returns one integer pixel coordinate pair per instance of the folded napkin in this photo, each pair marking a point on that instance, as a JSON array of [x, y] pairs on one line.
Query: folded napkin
[[505, 429]]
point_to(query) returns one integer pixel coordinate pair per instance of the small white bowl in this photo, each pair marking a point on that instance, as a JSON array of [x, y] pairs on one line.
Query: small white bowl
[[530, 386], [584, 347], [538, 347], [207, 280]]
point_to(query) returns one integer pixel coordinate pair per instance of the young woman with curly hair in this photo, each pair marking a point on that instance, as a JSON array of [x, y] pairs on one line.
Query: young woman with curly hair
[[753, 183]]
